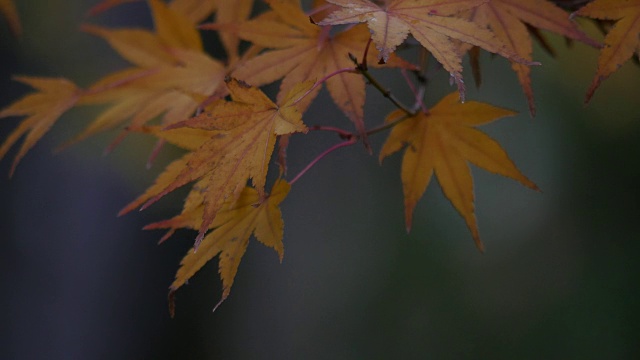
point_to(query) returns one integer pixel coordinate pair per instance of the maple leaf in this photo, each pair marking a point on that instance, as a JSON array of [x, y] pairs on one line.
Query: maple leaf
[[192, 210], [237, 220], [172, 64], [197, 10], [232, 12], [183, 137], [194, 10], [226, 12], [43, 108], [443, 142], [8, 10], [243, 135], [622, 40], [429, 21], [303, 51], [172, 76], [140, 47], [507, 18]]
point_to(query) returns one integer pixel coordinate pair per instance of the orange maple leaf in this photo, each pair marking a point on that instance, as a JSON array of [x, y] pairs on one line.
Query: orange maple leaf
[[183, 137], [42, 108], [251, 213], [507, 18], [443, 142], [429, 21], [622, 40], [171, 64], [303, 51], [173, 74], [197, 10], [242, 138], [230, 12], [8, 10]]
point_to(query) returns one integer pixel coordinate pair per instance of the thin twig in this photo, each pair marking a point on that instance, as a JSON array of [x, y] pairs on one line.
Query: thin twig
[[351, 141], [385, 92], [365, 65], [344, 134], [324, 79], [418, 93]]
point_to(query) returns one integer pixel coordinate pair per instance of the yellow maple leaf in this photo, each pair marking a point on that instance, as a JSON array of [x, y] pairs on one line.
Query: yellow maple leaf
[[443, 142], [174, 22], [230, 12], [196, 10], [429, 21], [173, 74], [301, 51], [140, 47], [622, 40], [236, 221], [507, 18], [173, 28], [171, 67], [242, 138], [43, 108]]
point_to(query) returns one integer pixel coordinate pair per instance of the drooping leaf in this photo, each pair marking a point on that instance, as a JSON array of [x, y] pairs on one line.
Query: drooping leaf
[[173, 74], [232, 12], [8, 10], [243, 136], [622, 40], [443, 142], [42, 109], [196, 10], [191, 215], [251, 213], [140, 47], [183, 137], [169, 174], [303, 51], [508, 18], [431, 22], [173, 28]]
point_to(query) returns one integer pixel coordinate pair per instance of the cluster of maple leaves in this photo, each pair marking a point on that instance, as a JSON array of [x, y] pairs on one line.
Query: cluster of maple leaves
[[214, 109]]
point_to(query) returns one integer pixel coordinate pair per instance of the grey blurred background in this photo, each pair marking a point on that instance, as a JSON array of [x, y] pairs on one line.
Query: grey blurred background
[[559, 278]]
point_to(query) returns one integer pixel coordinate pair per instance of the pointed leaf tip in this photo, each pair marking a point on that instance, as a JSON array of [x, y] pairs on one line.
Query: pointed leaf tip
[[224, 297], [229, 234], [41, 109], [443, 143], [621, 41]]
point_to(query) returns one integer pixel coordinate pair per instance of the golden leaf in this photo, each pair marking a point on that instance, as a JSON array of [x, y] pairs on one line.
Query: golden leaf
[[443, 142]]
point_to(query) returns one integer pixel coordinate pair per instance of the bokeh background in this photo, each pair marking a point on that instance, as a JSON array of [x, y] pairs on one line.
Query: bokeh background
[[559, 278]]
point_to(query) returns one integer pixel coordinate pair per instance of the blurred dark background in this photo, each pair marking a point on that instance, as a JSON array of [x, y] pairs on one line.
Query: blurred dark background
[[559, 278]]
